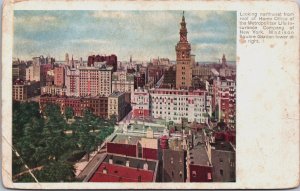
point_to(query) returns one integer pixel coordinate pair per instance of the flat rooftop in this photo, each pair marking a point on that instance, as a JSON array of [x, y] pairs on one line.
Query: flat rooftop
[[141, 127], [116, 94], [198, 156], [223, 146], [126, 139]]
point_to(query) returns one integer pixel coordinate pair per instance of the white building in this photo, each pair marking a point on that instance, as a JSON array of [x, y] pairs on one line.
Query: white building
[[175, 105], [140, 102], [88, 80]]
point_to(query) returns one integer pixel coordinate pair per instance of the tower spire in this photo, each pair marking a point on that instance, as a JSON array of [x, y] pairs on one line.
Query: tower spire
[[183, 18]]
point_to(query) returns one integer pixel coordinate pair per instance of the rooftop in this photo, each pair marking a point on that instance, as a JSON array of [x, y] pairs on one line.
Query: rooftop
[[223, 146], [116, 94], [113, 169], [198, 156], [126, 139]]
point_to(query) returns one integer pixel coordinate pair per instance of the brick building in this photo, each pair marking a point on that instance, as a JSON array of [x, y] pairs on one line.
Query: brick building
[[97, 105], [59, 76], [111, 60], [170, 77], [116, 168], [134, 146]]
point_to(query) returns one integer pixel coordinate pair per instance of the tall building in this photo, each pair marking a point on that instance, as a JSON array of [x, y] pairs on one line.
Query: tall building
[[140, 102], [116, 105], [59, 76], [183, 59], [180, 105], [88, 81]]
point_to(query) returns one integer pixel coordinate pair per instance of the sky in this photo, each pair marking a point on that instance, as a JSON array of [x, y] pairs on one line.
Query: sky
[[142, 34]]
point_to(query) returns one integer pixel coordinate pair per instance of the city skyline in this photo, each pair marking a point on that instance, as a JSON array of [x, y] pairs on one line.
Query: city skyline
[[142, 34]]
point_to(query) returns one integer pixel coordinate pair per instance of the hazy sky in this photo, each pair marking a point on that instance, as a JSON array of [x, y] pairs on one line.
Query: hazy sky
[[142, 34]]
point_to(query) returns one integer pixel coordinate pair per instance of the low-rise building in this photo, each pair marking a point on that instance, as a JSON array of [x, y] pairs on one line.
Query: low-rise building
[[145, 147], [223, 161], [173, 158], [97, 105], [116, 168]]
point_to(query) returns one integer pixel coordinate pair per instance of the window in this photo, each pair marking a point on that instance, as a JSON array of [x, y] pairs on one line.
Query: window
[[221, 160], [171, 160], [209, 176], [221, 172], [194, 174]]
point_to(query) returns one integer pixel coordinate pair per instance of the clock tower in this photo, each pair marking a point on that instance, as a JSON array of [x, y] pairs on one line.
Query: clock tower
[[183, 59]]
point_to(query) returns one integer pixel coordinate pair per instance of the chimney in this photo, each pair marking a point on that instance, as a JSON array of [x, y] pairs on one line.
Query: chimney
[[146, 166]]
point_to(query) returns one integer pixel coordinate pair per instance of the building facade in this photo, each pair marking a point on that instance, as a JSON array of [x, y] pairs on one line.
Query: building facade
[[176, 105], [97, 105], [59, 76], [24, 90], [140, 100], [116, 105], [123, 82], [88, 81], [223, 160]]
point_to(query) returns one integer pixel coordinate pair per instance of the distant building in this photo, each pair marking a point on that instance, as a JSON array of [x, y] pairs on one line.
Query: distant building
[[123, 82], [116, 168], [44, 68], [18, 70], [227, 105], [24, 90], [140, 102], [139, 80], [111, 60], [116, 105], [170, 77], [59, 76]]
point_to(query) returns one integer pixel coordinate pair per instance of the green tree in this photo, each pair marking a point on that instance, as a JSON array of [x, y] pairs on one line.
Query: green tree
[[69, 113]]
